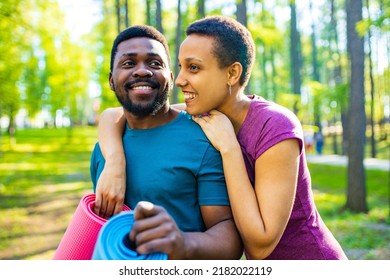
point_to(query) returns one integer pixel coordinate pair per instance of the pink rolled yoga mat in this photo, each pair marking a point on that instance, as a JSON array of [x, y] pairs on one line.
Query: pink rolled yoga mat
[[80, 237]]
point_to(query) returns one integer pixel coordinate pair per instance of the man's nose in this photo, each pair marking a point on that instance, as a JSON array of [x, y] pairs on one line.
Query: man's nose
[[142, 71]]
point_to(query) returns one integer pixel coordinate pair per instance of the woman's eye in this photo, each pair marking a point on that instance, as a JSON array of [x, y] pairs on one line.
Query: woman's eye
[[194, 67]]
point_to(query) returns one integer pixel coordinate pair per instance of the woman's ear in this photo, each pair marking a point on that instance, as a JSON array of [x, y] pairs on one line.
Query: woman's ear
[[234, 73]]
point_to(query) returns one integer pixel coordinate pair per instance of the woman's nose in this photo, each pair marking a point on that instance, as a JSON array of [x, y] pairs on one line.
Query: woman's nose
[[180, 80]]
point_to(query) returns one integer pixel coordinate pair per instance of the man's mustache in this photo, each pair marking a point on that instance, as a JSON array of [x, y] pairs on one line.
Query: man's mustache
[[153, 84]]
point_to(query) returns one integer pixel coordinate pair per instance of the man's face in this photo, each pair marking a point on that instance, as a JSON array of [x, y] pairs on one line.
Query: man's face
[[141, 77]]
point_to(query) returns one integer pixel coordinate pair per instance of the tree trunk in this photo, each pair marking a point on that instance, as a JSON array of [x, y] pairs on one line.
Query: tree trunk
[[242, 17], [356, 190], [241, 12], [316, 76], [344, 123], [11, 126], [159, 25], [148, 15], [175, 94], [263, 60], [118, 15], [127, 13], [372, 89], [336, 76], [295, 55], [201, 9]]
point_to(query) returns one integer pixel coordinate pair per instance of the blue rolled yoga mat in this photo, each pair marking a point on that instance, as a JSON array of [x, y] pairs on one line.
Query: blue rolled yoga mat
[[112, 242]]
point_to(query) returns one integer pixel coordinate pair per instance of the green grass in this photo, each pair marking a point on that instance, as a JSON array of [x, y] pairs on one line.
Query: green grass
[[45, 172], [43, 175], [363, 236]]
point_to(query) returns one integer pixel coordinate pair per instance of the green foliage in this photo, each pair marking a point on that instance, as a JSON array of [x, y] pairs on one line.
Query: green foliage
[[12, 27], [288, 100], [382, 21], [40, 67], [44, 69]]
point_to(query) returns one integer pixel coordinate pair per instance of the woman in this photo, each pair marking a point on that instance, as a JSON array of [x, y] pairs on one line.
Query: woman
[[261, 144]]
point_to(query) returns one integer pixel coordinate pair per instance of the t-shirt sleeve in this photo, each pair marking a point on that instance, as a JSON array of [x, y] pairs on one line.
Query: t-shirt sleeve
[[211, 180], [281, 125], [96, 165]]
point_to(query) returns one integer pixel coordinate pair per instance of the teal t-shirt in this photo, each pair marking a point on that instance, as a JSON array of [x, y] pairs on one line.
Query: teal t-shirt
[[174, 166]]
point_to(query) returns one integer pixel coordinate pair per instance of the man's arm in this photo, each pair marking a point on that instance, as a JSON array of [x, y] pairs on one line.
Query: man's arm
[[221, 240], [154, 230]]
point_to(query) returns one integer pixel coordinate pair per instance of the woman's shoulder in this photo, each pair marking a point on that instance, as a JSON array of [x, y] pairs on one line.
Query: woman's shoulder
[[266, 124], [267, 119], [261, 108]]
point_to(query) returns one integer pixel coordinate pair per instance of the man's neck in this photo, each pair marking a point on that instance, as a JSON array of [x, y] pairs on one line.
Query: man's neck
[[164, 116]]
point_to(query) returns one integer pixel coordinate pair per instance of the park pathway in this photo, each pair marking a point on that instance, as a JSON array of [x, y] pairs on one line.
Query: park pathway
[[338, 160]]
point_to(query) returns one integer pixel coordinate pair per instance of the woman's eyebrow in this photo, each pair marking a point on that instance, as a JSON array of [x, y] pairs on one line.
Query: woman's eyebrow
[[188, 59]]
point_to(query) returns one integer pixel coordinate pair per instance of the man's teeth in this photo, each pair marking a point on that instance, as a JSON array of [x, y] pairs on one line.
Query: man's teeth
[[142, 87], [189, 96]]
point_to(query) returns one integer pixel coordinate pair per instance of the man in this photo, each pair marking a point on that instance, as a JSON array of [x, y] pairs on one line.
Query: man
[[169, 161]]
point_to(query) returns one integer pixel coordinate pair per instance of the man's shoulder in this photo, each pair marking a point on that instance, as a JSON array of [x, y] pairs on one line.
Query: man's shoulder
[[190, 127]]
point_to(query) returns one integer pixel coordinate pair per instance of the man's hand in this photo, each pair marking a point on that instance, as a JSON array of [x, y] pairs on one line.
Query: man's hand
[[110, 192], [154, 230]]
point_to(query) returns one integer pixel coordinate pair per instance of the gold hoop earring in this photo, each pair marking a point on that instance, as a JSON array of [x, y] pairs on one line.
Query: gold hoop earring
[[230, 89]]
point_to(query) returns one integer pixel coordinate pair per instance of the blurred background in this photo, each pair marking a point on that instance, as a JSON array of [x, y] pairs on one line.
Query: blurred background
[[326, 60]]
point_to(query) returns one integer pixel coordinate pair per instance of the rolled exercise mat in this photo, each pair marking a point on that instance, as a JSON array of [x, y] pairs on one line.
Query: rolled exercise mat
[[113, 242], [81, 234]]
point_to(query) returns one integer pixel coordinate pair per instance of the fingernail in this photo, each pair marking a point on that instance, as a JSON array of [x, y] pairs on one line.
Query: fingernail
[[146, 204]]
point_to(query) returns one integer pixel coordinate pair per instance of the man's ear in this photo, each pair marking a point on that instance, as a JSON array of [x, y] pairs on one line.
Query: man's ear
[[111, 82], [234, 73], [173, 81]]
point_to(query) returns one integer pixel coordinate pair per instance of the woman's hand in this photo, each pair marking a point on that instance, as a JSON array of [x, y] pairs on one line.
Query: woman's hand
[[218, 129], [110, 190]]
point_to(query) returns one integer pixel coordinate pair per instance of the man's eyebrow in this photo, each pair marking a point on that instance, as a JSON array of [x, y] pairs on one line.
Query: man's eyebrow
[[132, 54]]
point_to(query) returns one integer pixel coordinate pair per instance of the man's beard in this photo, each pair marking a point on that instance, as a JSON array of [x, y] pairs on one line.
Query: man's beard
[[144, 110]]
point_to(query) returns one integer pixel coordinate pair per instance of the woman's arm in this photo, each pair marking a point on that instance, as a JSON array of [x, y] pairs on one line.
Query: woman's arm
[[261, 213], [111, 186]]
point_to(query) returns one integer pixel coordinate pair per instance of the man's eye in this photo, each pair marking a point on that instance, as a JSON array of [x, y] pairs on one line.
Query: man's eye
[[128, 63], [155, 63]]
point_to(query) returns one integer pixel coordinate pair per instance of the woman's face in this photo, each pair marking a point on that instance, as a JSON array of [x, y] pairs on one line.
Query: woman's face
[[203, 82]]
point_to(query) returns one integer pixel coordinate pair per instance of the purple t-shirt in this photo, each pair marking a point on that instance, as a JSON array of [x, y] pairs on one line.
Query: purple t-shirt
[[306, 236]]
